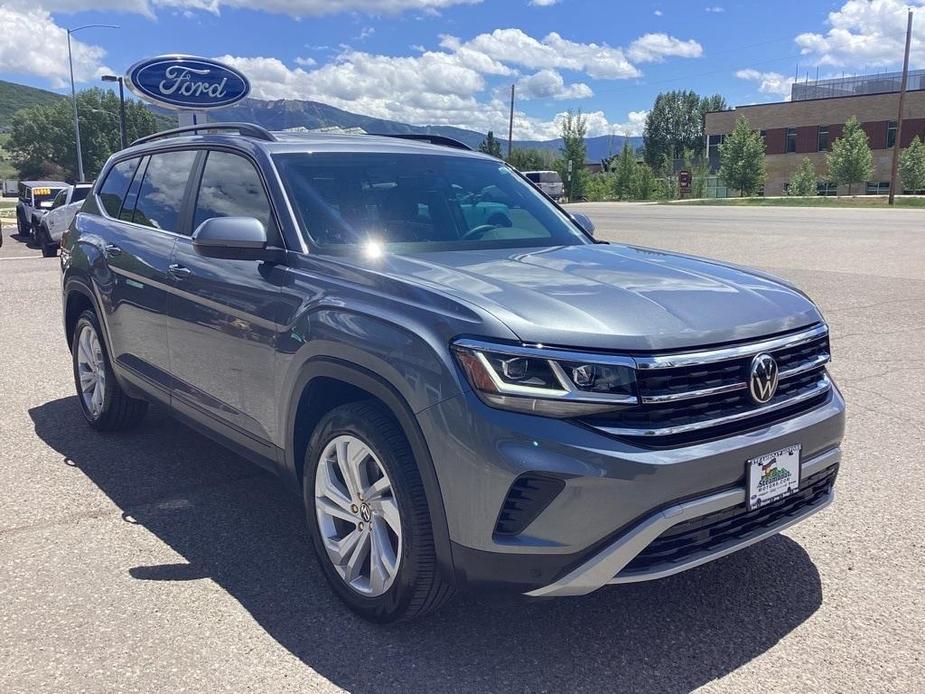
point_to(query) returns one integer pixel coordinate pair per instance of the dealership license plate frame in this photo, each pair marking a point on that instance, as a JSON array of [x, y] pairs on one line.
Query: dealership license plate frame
[[790, 460]]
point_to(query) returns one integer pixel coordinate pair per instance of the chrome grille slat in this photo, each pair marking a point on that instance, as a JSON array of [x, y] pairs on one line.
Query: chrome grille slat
[[686, 397], [822, 386], [711, 356], [814, 363]]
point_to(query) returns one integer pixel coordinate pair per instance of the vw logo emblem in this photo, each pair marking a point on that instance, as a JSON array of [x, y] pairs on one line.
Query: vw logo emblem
[[762, 378]]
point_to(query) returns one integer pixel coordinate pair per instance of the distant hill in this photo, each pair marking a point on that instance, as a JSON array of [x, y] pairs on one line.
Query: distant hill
[[291, 113], [16, 96]]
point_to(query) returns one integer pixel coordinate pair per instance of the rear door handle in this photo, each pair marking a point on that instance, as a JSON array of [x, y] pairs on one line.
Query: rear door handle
[[113, 250], [179, 271]]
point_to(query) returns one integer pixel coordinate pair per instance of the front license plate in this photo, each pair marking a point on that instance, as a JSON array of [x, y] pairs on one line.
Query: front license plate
[[773, 476]]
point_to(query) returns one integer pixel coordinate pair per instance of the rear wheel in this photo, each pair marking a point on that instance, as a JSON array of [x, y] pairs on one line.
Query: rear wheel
[[368, 515], [104, 404]]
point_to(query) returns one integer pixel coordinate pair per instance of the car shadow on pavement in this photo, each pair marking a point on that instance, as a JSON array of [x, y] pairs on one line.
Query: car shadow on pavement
[[236, 525]]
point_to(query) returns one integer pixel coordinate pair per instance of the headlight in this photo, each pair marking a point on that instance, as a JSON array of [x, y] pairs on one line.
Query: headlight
[[550, 382]]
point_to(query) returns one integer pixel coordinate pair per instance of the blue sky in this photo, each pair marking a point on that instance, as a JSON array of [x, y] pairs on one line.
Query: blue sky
[[452, 61]]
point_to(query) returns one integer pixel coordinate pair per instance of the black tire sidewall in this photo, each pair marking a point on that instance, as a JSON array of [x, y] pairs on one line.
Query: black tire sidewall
[[394, 602], [89, 319]]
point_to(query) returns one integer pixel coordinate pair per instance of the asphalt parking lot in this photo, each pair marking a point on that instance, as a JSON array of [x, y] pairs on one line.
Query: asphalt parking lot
[[156, 561]]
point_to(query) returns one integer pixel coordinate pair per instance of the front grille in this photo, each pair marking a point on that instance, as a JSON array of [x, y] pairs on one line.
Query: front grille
[[711, 532], [694, 396]]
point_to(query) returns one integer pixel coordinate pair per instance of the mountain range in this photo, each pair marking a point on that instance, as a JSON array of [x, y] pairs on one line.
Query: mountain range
[[291, 113]]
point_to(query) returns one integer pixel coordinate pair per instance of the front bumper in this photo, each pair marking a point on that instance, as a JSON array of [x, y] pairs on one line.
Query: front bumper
[[613, 563], [616, 499]]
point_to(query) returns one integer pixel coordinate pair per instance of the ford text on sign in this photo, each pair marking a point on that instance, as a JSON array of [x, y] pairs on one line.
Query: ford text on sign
[[187, 82]]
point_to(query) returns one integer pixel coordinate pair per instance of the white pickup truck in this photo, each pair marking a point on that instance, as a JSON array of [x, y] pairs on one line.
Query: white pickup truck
[[63, 208]]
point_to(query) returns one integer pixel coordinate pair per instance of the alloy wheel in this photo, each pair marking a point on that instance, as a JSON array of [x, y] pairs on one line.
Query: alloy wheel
[[358, 515], [91, 370]]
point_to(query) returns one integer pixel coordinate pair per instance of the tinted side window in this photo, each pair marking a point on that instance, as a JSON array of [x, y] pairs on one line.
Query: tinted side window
[[79, 194], [162, 189], [231, 187], [113, 190]]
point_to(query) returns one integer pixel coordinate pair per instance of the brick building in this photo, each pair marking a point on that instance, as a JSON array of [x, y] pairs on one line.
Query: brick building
[[807, 126]]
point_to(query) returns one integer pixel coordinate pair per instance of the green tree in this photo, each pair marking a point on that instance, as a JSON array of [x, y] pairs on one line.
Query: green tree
[[600, 187], [741, 159], [912, 166], [624, 171], [42, 137], [574, 154], [534, 160], [490, 145], [675, 123], [804, 180], [644, 182], [850, 160]]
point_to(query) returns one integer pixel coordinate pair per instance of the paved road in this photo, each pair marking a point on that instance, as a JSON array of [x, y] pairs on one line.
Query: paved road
[[155, 561]]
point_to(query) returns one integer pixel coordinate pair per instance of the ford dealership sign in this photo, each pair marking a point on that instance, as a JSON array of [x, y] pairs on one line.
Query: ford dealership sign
[[185, 82]]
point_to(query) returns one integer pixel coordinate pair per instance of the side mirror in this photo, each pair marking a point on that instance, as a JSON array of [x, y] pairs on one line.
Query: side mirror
[[233, 238], [584, 221]]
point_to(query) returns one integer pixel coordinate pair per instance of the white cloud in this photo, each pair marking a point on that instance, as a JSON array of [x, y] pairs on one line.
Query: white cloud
[[715, 9], [549, 84], [306, 62], [865, 32], [654, 48], [294, 8], [768, 82], [48, 57], [519, 48], [658, 13], [543, 3]]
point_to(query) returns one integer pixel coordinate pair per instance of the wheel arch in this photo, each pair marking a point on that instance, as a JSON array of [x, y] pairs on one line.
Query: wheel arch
[[326, 382]]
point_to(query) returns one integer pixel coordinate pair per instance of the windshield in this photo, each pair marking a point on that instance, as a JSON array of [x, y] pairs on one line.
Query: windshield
[[412, 202]]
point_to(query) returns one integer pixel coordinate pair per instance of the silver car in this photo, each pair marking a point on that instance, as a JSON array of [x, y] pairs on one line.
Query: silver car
[[63, 208]]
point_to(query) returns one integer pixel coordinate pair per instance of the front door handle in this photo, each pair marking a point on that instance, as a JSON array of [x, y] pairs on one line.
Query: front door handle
[[179, 271], [113, 250]]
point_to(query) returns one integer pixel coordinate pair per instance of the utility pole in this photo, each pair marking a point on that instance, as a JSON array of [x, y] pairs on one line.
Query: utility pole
[[899, 117], [510, 128]]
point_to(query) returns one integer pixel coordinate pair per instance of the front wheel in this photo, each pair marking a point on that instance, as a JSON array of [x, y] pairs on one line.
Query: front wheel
[[22, 228], [49, 248], [104, 404], [368, 515]]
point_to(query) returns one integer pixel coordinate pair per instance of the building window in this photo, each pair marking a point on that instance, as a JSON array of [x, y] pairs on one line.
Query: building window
[[826, 188], [713, 144], [877, 188], [791, 140], [891, 134], [764, 137], [822, 138]]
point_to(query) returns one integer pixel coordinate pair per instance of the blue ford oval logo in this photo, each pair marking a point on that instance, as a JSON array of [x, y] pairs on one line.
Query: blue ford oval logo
[[187, 82]]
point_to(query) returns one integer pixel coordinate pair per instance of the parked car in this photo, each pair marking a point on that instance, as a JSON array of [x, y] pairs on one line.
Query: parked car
[[35, 199], [550, 182], [10, 187], [58, 218], [456, 402]]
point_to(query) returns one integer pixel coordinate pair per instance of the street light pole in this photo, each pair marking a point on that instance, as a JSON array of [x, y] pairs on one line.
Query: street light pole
[[70, 62], [80, 158], [122, 135]]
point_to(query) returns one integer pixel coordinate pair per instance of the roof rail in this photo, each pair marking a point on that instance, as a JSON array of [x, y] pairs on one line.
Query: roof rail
[[247, 129], [432, 139]]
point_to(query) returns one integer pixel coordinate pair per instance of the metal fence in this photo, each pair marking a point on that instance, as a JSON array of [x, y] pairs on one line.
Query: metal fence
[[855, 85]]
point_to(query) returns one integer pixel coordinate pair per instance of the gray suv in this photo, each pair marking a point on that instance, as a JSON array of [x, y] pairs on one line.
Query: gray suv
[[461, 383]]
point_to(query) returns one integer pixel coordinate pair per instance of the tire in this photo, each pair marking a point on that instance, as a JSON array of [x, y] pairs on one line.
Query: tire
[[22, 228], [49, 247], [416, 585], [112, 409]]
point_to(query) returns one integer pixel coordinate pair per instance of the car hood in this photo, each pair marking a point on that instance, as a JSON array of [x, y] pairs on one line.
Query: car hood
[[611, 296]]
